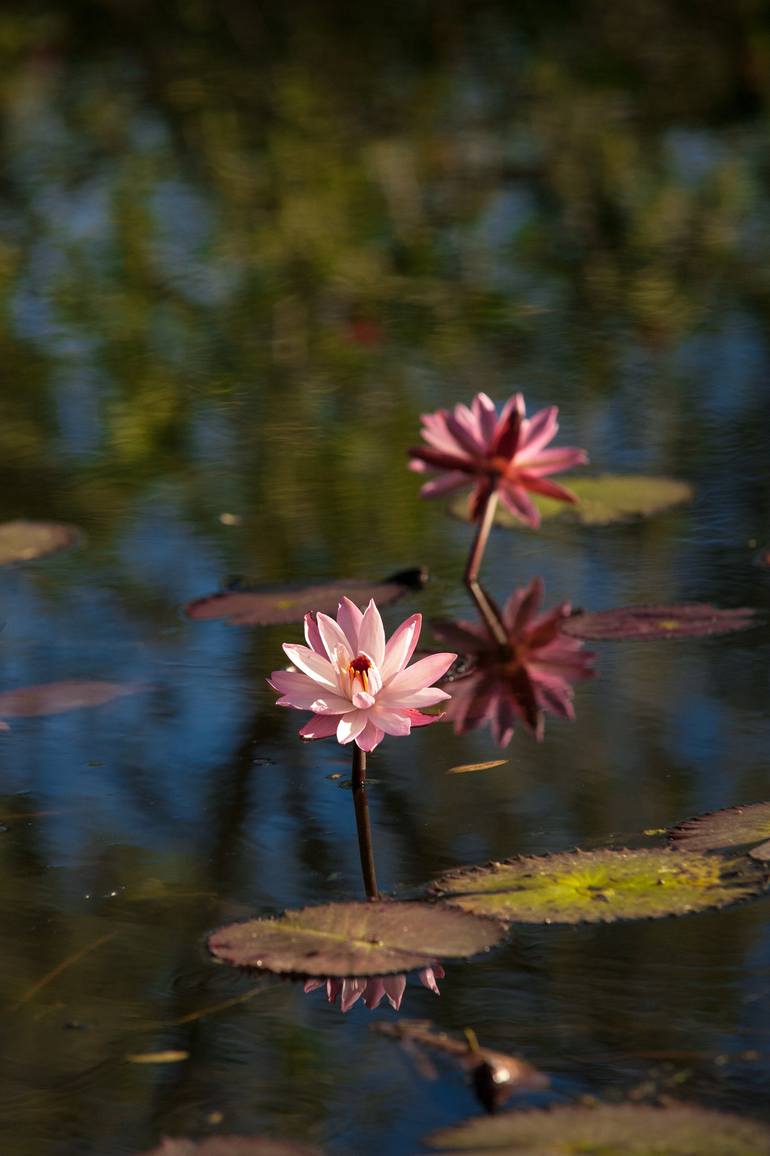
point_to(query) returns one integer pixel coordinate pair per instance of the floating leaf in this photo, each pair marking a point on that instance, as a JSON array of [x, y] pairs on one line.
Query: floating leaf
[[291, 604], [58, 697], [466, 768], [354, 939], [23, 541], [687, 620], [231, 1146], [761, 853], [602, 500], [731, 827], [609, 1130], [600, 886], [169, 1057]]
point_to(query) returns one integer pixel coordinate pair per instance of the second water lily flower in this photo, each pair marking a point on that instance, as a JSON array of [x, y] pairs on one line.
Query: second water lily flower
[[373, 991], [358, 686], [502, 454]]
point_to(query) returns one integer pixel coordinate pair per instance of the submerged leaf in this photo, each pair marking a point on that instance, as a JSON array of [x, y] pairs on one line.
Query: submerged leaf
[[495, 1076], [23, 541], [58, 697], [231, 1146], [601, 501], [354, 939], [687, 620], [607, 1130], [600, 886], [291, 604], [731, 827]]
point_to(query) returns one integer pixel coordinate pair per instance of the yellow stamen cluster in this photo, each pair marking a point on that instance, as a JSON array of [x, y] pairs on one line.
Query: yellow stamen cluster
[[359, 668]]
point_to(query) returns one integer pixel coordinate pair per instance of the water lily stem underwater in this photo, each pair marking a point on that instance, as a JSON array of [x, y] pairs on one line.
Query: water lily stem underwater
[[363, 827], [486, 607]]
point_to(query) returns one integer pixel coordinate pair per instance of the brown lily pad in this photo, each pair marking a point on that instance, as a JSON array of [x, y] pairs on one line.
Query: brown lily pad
[[58, 697], [600, 886], [231, 1146], [602, 501], [687, 620], [354, 939], [291, 604], [607, 1130], [24, 541], [730, 827]]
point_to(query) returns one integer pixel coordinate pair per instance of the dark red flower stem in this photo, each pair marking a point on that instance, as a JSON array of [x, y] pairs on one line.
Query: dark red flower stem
[[363, 827], [486, 607]]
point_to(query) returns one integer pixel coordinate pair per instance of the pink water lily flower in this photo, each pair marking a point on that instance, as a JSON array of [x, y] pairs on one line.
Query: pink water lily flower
[[531, 675], [359, 687], [504, 454], [373, 991]]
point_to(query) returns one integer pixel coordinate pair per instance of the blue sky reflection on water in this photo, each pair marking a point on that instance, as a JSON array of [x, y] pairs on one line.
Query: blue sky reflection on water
[[231, 289]]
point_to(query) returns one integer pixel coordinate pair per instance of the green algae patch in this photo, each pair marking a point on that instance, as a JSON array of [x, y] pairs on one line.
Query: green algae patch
[[602, 501], [601, 886], [607, 1130], [730, 827]]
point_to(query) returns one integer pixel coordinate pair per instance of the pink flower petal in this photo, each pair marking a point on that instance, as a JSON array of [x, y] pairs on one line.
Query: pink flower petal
[[320, 726], [486, 416], [444, 484], [351, 725], [392, 722], [362, 700], [551, 461], [314, 666], [371, 736], [349, 619], [537, 432], [400, 647], [420, 674], [312, 637], [371, 636], [514, 498], [415, 699], [395, 985], [335, 641], [548, 489]]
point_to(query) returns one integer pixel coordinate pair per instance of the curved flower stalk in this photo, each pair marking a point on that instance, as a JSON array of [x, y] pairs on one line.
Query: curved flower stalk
[[530, 675], [373, 991], [503, 455], [358, 687]]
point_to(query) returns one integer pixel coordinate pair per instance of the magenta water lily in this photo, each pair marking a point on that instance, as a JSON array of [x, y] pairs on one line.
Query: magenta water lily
[[502, 454], [358, 686]]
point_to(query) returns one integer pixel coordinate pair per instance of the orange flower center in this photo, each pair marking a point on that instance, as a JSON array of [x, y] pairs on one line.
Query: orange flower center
[[359, 669]]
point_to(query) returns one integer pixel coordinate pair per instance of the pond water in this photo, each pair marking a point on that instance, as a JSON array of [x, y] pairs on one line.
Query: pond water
[[243, 249]]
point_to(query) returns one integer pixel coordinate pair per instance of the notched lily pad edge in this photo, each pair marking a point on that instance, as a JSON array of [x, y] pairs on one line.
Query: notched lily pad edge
[[292, 975], [680, 834]]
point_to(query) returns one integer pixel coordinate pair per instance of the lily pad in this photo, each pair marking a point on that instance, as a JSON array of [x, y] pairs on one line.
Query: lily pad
[[354, 939], [602, 500], [731, 827], [23, 541], [291, 604], [686, 620], [58, 697], [230, 1146], [609, 1130], [600, 886]]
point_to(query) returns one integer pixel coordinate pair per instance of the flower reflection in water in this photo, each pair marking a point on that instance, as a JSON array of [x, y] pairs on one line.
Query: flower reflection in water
[[533, 673], [373, 990]]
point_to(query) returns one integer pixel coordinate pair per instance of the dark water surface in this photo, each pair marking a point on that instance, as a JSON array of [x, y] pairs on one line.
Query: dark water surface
[[242, 248]]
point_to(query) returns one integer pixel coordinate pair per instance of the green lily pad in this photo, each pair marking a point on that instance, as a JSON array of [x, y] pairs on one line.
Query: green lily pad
[[291, 604], [731, 827], [607, 1130], [354, 939], [23, 541], [230, 1146], [600, 886], [602, 500], [686, 620]]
